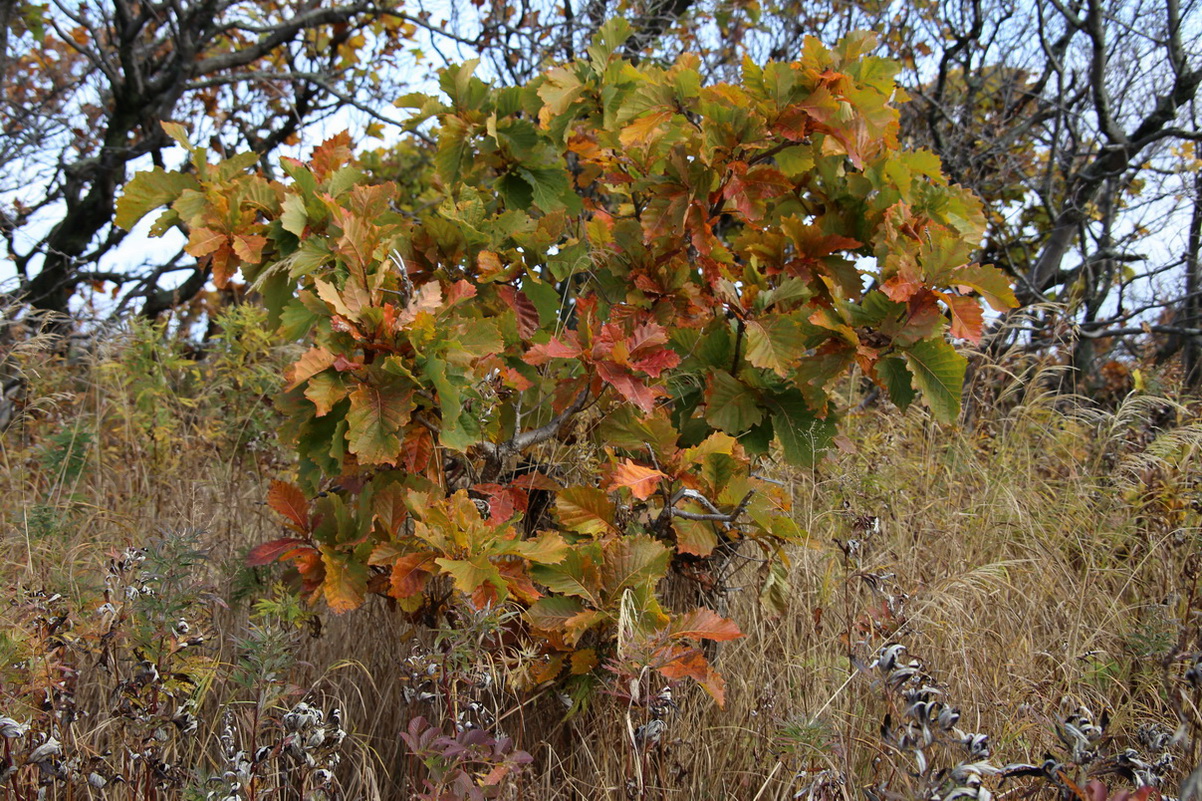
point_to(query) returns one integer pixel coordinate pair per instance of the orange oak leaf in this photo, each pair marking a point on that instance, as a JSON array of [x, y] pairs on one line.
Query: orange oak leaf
[[489, 264], [746, 186], [314, 360], [691, 664], [902, 286], [642, 481], [704, 624], [410, 573], [249, 247], [288, 500], [343, 364], [416, 449], [656, 362], [696, 537], [536, 479], [967, 317], [518, 581], [332, 155], [513, 378], [224, 263], [629, 386], [458, 292], [645, 129], [205, 241], [554, 349]]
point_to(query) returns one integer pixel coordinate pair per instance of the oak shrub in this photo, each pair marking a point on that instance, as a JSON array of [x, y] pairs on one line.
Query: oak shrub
[[544, 361]]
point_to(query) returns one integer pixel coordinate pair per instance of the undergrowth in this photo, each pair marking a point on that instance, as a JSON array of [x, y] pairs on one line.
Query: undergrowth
[[1008, 609]]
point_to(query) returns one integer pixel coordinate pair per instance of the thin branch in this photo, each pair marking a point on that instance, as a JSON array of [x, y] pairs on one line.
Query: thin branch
[[311, 78], [276, 35], [1154, 329], [716, 517], [1175, 133], [527, 439], [105, 275], [1097, 70]]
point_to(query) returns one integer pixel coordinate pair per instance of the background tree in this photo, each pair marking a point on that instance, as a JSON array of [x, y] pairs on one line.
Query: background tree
[[1068, 119], [1064, 117], [1191, 302], [85, 87]]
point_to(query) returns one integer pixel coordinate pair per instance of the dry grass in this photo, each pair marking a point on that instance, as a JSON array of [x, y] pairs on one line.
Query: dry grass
[[1044, 559]]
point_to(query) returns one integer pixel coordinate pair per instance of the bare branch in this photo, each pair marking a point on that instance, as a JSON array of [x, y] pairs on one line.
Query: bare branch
[[277, 35], [1097, 70], [528, 439], [715, 516]]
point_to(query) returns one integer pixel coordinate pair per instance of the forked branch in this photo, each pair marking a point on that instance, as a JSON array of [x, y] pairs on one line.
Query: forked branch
[[534, 436]]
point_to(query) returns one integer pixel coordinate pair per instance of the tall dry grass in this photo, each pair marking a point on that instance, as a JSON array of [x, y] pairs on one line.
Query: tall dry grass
[[1043, 559]]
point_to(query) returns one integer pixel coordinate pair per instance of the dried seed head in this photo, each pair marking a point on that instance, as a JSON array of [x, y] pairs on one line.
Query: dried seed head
[[315, 738], [1154, 737], [146, 673], [887, 659], [963, 773], [11, 728], [977, 744], [650, 734], [1194, 674], [187, 723], [43, 752], [663, 703], [948, 717]]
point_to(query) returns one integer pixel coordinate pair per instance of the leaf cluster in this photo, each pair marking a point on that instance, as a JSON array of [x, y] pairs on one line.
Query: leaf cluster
[[548, 383]]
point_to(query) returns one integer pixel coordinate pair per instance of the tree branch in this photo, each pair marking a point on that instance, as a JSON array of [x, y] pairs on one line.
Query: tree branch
[[527, 439], [715, 516]]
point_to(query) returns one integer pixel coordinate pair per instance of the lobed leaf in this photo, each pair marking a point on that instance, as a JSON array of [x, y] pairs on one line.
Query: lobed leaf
[[586, 510], [704, 624], [149, 190], [938, 371], [276, 550], [288, 500], [641, 481], [377, 415]]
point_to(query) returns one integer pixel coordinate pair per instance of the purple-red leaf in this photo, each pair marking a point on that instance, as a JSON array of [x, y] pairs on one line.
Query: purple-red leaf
[[276, 550]]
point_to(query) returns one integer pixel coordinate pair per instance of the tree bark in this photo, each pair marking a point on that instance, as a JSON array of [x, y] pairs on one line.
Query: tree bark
[[1191, 356]]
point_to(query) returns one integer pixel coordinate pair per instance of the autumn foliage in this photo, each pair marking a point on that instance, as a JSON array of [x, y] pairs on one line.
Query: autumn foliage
[[546, 380]]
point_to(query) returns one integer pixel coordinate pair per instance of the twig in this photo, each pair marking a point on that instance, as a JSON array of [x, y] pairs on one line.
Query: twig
[[534, 436], [715, 516]]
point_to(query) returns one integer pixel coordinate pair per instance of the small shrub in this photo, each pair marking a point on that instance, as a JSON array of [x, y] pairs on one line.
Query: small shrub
[[549, 378], [469, 766]]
